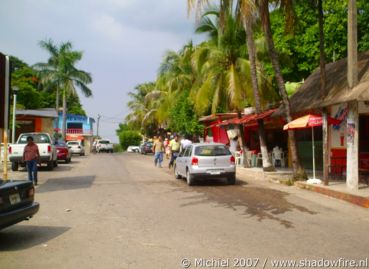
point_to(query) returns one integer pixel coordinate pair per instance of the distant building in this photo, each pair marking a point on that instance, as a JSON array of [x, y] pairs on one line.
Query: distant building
[[79, 127]]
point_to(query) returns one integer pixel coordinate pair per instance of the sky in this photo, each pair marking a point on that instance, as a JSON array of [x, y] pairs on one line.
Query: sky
[[123, 43]]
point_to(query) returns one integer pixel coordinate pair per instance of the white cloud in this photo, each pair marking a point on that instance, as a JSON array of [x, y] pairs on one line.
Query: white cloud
[[108, 26]]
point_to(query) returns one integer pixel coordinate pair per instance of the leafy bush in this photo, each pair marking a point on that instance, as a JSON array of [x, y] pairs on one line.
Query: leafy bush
[[182, 118], [117, 148], [129, 138]]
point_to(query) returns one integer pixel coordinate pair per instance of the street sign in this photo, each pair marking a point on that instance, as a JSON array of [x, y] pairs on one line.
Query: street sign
[[4, 91]]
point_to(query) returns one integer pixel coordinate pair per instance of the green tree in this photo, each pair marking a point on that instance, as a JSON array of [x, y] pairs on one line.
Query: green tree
[[181, 117], [60, 73], [247, 11], [129, 138], [273, 54], [25, 79], [143, 111]]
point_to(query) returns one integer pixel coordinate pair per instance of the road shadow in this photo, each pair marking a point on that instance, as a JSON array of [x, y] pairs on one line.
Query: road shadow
[[20, 237], [253, 201], [66, 183]]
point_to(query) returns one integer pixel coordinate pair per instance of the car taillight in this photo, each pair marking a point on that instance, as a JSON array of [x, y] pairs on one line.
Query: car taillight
[[233, 160], [31, 192], [10, 150], [48, 148], [194, 161]]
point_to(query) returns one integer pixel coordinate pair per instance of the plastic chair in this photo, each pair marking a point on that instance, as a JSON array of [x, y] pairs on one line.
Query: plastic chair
[[239, 158], [249, 158], [278, 156]]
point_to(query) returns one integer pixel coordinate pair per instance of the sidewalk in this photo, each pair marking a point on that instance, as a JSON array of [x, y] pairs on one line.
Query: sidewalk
[[335, 189]]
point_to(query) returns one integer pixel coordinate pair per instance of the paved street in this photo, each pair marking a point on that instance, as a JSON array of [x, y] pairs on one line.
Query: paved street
[[118, 211]]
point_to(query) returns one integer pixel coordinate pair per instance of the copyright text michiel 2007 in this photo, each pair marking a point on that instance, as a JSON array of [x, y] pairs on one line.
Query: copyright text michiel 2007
[[223, 263]]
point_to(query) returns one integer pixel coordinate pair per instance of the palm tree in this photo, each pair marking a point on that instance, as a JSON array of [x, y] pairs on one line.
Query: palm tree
[[175, 76], [263, 5], [225, 75], [142, 112], [216, 32], [60, 73], [247, 11]]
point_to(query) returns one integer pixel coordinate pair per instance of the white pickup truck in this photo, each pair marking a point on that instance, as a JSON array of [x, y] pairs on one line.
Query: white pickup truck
[[103, 145], [46, 147]]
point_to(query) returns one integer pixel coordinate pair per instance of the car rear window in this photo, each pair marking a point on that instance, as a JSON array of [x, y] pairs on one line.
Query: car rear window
[[73, 143], [104, 142], [39, 138], [212, 150], [61, 144]]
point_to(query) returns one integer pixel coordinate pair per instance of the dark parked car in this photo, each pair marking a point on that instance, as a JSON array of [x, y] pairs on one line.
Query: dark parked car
[[16, 202], [64, 153], [146, 148]]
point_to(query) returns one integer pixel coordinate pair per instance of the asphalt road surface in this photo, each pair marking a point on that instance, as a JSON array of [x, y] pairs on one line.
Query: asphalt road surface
[[119, 211]]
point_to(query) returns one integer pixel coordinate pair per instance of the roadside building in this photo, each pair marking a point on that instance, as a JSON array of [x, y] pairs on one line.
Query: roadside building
[[309, 99], [79, 128], [32, 120], [213, 132], [223, 127]]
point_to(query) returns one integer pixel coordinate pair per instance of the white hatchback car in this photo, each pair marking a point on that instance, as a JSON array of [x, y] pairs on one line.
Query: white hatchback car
[[133, 149], [204, 160], [76, 147]]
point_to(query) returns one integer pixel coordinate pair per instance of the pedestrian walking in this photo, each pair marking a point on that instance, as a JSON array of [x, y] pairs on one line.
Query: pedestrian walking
[[158, 149], [166, 147], [174, 147], [31, 156], [233, 145], [185, 142]]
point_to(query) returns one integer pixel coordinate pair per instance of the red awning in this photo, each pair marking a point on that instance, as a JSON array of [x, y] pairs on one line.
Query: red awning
[[234, 121], [248, 119]]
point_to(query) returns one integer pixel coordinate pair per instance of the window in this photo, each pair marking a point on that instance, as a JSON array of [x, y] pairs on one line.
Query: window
[[188, 151], [212, 150], [39, 138], [74, 125]]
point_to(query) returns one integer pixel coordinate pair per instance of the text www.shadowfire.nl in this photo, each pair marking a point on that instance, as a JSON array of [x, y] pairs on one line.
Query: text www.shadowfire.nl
[[272, 263]]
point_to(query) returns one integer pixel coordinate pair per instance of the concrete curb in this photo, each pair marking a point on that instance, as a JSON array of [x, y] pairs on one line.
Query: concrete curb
[[348, 197]]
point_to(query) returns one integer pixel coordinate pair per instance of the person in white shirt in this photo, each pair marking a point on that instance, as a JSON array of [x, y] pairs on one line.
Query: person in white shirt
[[233, 145], [185, 142]]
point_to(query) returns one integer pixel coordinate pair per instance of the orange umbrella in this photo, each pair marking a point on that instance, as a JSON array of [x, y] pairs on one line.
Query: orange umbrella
[[310, 121]]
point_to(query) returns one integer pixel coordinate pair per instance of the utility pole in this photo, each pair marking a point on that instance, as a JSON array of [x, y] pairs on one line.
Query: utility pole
[[98, 125]]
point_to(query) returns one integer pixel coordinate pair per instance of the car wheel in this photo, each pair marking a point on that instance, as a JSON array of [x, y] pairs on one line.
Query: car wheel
[[231, 179], [15, 166], [189, 178], [55, 163], [50, 165], [68, 160], [176, 174]]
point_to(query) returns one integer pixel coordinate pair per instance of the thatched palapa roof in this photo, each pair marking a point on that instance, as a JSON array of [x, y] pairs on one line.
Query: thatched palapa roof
[[309, 95]]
